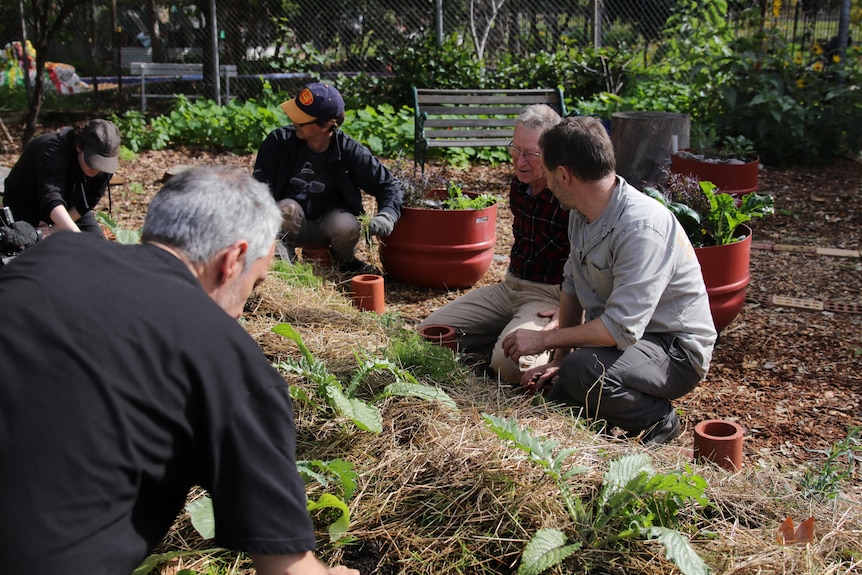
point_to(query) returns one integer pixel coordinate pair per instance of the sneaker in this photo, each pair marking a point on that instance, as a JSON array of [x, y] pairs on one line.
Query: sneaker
[[357, 267], [662, 431]]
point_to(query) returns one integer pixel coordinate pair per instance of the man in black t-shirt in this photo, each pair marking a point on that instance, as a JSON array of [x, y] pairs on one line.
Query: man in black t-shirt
[[126, 380]]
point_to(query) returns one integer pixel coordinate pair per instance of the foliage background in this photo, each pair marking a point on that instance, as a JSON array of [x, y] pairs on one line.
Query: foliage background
[[773, 71]]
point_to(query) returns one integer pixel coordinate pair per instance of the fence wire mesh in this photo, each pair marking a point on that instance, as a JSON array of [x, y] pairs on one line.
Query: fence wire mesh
[[281, 39]]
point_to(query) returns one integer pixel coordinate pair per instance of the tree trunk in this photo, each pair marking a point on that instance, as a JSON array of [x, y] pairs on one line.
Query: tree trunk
[[643, 142]]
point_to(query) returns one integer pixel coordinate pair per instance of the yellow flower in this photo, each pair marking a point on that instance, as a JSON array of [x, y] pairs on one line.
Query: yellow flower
[[817, 66], [817, 49], [776, 8], [798, 58], [836, 58], [800, 83]]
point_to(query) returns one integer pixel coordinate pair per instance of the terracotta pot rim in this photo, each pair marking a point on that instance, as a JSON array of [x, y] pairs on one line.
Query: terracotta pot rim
[[700, 429], [367, 278], [430, 331]]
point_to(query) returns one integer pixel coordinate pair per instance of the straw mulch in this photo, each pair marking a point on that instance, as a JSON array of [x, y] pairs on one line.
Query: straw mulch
[[440, 492]]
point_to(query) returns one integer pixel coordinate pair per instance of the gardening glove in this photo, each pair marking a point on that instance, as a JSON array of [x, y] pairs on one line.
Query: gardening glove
[[381, 225]]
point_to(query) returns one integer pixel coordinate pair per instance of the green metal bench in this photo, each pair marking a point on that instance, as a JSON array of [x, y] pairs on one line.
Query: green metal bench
[[448, 118]]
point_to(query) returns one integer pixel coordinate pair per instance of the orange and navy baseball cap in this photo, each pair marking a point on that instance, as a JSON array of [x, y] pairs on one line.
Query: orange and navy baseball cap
[[317, 101]]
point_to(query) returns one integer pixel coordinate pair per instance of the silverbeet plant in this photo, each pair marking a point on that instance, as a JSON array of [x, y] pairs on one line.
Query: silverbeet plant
[[343, 400], [709, 217], [634, 502]]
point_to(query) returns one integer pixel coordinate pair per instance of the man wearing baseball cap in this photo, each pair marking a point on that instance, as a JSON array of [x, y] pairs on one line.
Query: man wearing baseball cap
[[61, 176], [317, 175]]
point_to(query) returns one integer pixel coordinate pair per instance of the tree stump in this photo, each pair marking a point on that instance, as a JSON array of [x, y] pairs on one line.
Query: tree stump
[[643, 142]]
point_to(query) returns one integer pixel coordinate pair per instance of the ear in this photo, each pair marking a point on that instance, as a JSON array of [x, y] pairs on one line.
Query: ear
[[230, 262]]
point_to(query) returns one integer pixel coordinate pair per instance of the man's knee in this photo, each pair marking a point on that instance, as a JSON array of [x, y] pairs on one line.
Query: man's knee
[[343, 227]]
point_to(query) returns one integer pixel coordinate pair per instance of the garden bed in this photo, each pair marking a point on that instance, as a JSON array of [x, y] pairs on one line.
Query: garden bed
[[789, 374]]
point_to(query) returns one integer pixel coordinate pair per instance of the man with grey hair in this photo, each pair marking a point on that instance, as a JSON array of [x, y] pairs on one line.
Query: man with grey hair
[[127, 380], [529, 294]]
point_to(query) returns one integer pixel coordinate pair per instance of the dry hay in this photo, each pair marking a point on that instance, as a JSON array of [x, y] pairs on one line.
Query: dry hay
[[439, 492]]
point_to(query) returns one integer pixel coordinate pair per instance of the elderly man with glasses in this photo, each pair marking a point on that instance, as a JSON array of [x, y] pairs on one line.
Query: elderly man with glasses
[[529, 295]]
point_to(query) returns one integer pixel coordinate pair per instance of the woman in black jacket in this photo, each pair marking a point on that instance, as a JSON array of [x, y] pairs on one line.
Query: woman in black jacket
[[62, 175]]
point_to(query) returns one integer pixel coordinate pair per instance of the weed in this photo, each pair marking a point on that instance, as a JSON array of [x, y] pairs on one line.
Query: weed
[[343, 401], [825, 480], [634, 502], [297, 274], [406, 347], [123, 236]]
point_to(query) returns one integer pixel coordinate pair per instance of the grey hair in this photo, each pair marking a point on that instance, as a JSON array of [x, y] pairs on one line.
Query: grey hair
[[538, 117], [201, 211]]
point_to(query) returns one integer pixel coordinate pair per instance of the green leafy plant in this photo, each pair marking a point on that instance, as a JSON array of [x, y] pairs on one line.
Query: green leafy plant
[[793, 99], [634, 502], [423, 190], [824, 480], [709, 218], [707, 143], [406, 347], [458, 200], [323, 472], [343, 400], [326, 472], [122, 235]]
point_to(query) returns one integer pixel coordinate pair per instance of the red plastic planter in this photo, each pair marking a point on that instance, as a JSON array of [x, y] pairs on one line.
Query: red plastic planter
[[735, 179], [726, 274], [439, 248]]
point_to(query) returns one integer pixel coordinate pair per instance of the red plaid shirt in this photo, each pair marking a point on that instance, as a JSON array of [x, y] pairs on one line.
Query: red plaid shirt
[[541, 236]]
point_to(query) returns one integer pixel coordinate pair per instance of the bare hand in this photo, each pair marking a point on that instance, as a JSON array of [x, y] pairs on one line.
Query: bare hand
[[541, 378], [342, 570], [523, 342], [554, 314]]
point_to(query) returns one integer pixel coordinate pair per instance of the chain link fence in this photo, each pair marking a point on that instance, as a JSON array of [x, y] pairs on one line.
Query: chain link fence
[[287, 40]]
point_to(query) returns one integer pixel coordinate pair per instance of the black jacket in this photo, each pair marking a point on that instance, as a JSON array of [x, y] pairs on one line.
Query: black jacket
[[48, 175], [355, 166]]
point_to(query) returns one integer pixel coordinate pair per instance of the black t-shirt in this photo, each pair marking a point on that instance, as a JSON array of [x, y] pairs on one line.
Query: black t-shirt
[[313, 185], [123, 385]]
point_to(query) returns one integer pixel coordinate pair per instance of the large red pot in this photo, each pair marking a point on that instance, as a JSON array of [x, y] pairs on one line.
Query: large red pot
[[726, 274], [440, 248], [735, 179]]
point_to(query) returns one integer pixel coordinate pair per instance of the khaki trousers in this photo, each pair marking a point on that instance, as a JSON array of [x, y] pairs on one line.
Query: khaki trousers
[[484, 316]]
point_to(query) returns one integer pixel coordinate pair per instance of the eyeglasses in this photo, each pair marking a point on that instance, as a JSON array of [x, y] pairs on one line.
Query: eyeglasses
[[529, 156]]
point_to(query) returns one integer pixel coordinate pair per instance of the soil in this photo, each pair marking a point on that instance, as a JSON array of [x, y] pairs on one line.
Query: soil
[[788, 370]]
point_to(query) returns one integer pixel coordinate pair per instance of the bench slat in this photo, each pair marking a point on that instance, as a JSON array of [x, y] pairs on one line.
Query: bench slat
[[489, 100], [470, 122], [472, 117], [438, 134], [472, 143]]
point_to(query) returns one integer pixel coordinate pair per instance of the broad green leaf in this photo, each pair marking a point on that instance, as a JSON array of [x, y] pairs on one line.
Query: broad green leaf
[[337, 528], [362, 414], [422, 391], [203, 519], [127, 237], [546, 549], [679, 550]]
